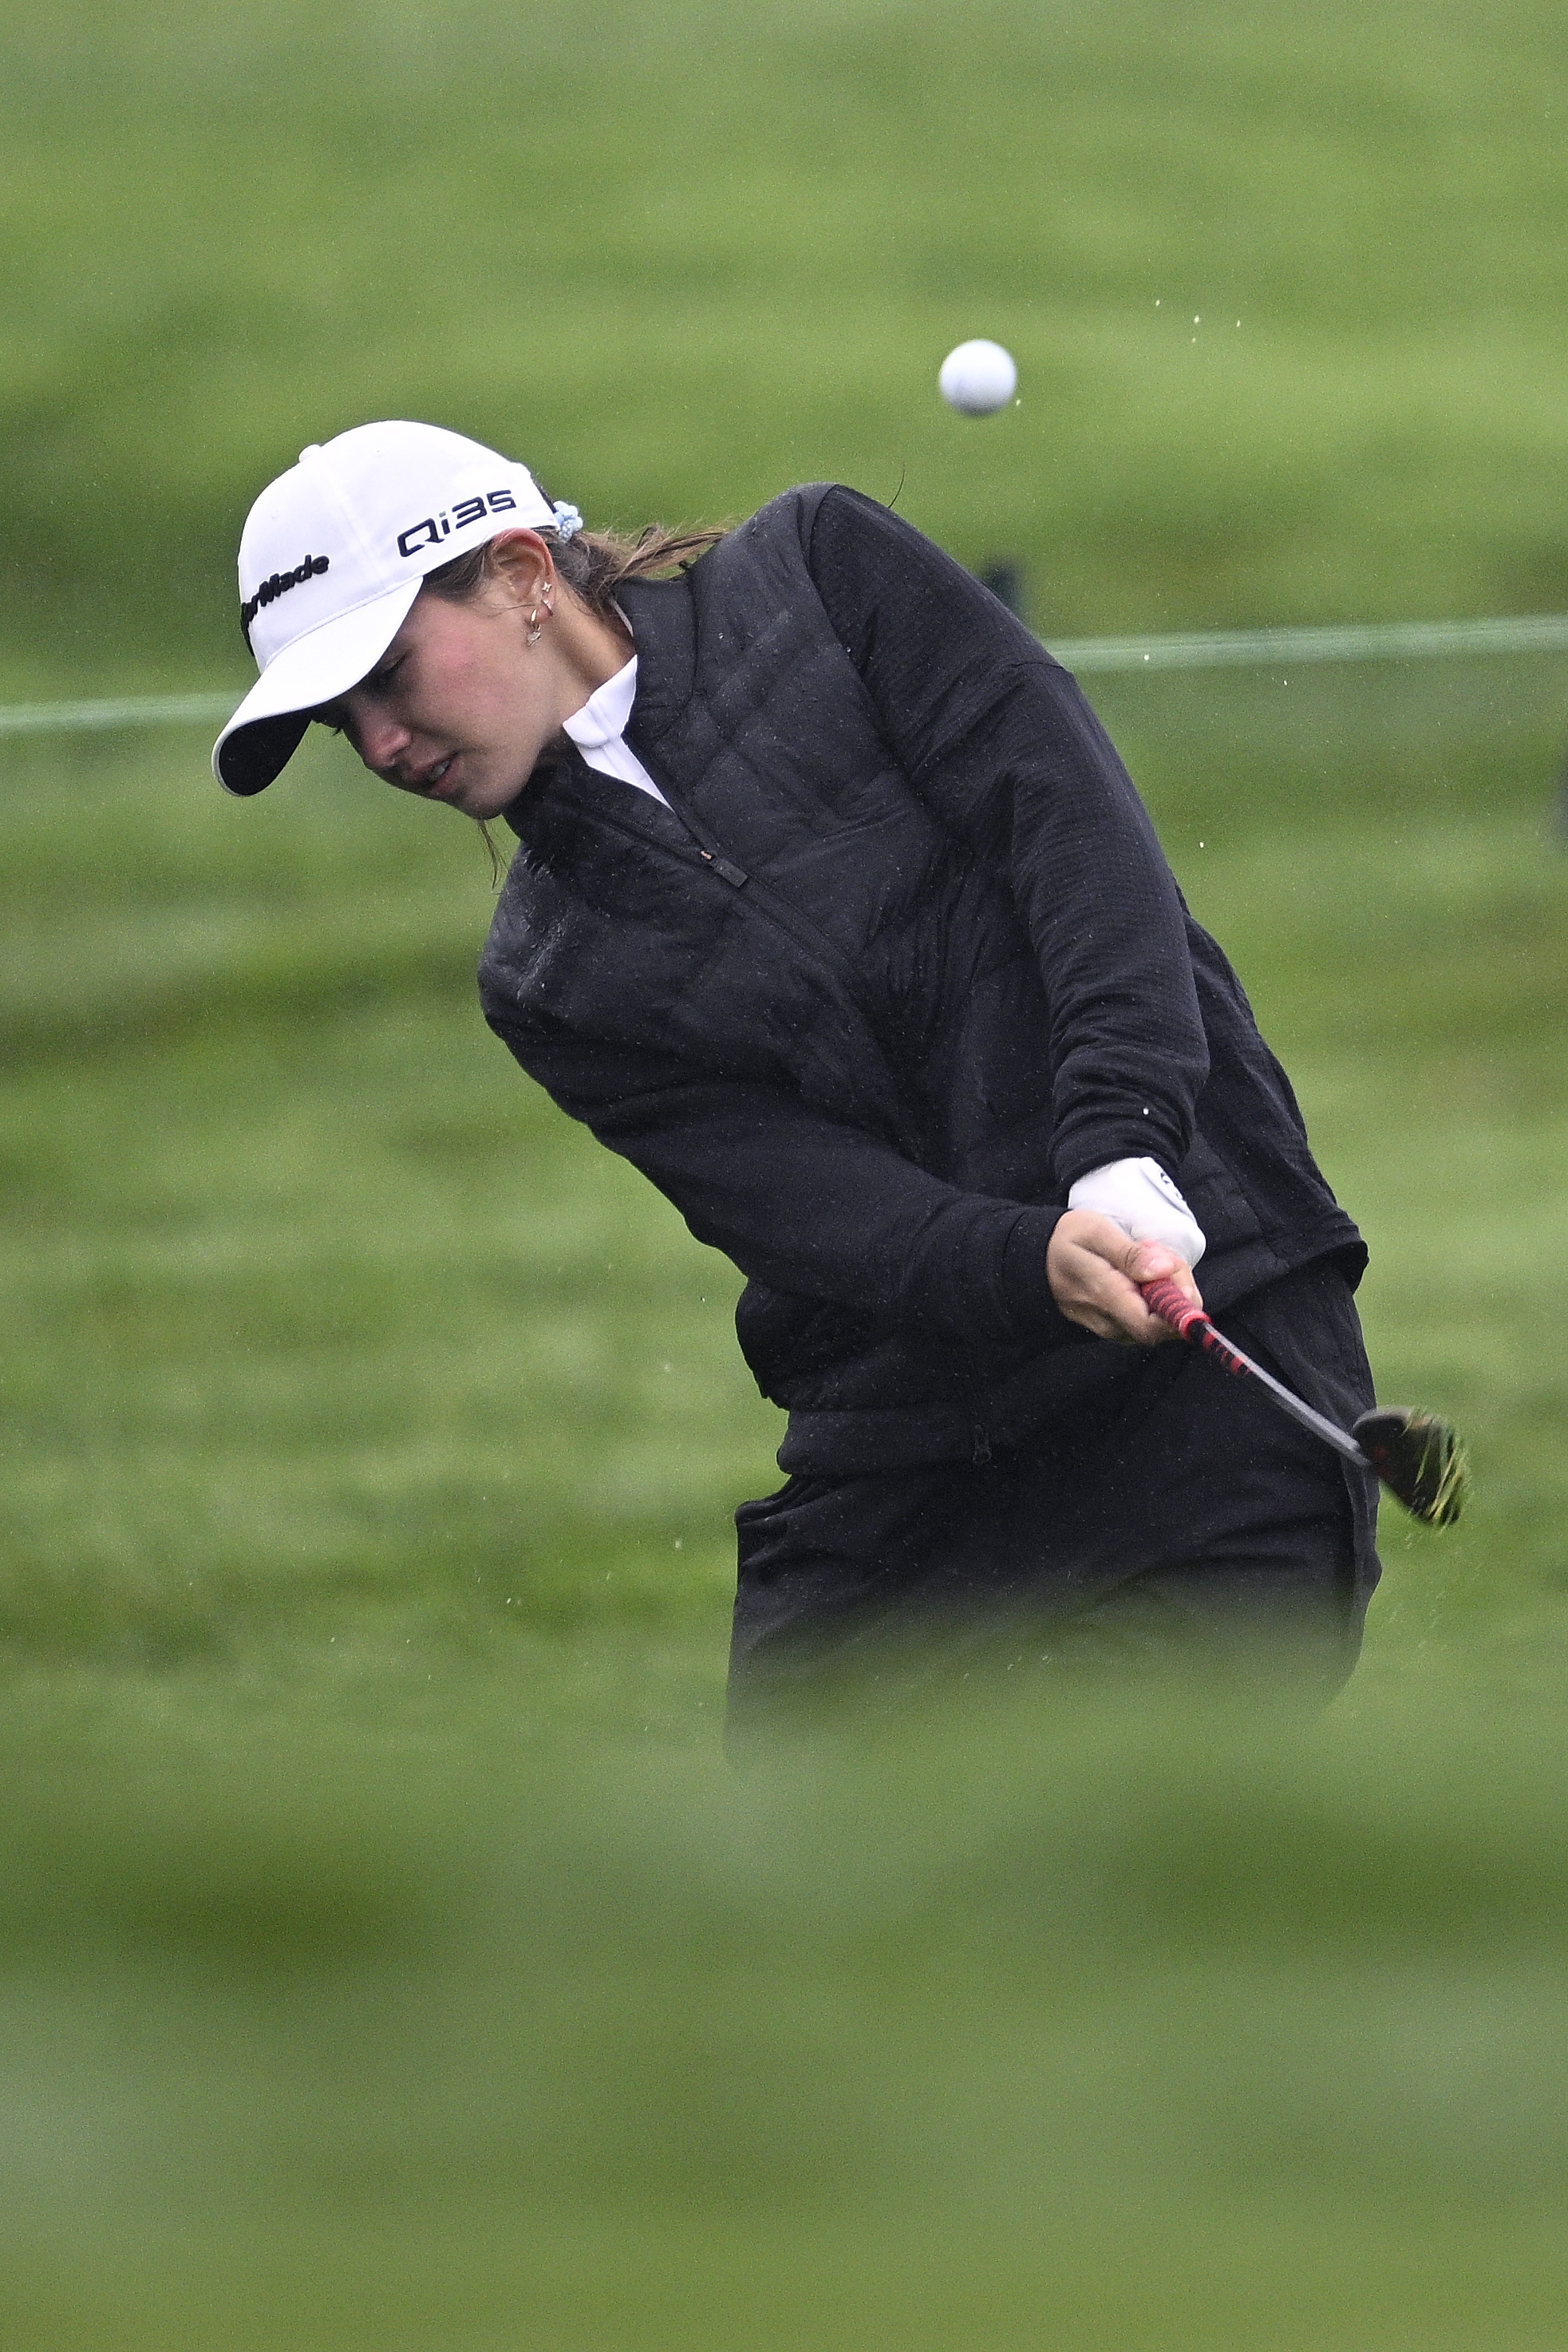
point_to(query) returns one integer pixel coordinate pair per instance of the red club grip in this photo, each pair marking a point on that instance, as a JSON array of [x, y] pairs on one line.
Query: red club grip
[[1172, 1305]]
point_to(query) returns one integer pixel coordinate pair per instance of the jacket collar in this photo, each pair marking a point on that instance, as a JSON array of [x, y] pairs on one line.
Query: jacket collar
[[663, 628]]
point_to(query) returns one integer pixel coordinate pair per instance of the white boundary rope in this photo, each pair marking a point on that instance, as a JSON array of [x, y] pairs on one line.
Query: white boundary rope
[[125, 711], [1369, 641], [1537, 633]]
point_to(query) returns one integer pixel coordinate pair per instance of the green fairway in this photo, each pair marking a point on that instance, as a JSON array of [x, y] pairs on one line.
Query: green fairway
[[387, 1957], [328, 1330]]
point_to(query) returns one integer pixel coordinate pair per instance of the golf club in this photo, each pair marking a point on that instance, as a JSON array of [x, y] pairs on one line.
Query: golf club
[[1420, 1457]]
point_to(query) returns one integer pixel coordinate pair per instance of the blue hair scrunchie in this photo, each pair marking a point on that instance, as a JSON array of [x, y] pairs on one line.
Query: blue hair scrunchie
[[568, 522]]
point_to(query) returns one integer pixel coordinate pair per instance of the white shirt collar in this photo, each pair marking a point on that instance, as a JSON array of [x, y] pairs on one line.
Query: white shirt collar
[[602, 718], [599, 731]]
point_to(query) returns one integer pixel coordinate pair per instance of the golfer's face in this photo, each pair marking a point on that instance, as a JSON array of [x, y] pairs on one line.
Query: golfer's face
[[460, 705]]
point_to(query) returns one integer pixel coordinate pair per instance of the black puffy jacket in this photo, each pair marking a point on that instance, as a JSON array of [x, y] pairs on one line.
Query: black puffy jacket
[[907, 961]]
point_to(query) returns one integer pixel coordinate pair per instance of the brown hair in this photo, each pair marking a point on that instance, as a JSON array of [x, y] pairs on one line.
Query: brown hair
[[592, 563]]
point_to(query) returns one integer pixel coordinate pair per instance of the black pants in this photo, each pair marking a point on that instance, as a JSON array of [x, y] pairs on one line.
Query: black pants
[[1177, 1510]]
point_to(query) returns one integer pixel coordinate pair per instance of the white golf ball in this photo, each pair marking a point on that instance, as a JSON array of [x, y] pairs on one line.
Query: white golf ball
[[977, 378]]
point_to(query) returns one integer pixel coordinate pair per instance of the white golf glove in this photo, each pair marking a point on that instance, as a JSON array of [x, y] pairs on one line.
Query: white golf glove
[[1137, 1195]]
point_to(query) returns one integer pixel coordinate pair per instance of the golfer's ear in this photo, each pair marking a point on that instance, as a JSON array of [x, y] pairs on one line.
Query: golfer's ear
[[520, 565]]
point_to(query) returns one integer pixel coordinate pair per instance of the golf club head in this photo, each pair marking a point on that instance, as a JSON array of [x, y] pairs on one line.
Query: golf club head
[[1419, 1458]]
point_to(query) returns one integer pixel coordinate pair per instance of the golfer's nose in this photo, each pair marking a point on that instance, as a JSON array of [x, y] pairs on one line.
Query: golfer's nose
[[383, 740]]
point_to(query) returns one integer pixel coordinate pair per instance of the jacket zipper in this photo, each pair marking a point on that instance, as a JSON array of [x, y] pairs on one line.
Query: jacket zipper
[[780, 911]]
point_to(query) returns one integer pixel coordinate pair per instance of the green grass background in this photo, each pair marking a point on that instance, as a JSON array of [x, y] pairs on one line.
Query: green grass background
[[387, 1957], [1287, 286]]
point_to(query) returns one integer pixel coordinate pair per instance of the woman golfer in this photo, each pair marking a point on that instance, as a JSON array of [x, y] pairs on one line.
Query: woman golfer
[[835, 912]]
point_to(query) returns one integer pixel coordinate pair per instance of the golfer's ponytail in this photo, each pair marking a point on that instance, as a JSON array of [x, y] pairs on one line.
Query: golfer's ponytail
[[593, 563]]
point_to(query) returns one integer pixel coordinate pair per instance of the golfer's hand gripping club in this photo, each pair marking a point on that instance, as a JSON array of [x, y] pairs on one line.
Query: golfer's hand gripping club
[[1096, 1273]]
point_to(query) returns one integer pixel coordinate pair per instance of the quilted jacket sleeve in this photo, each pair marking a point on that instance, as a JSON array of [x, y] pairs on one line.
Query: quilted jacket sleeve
[[1003, 748], [804, 1203]]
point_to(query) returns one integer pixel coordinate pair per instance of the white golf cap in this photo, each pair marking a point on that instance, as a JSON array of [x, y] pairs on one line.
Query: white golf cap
[[331, 558]]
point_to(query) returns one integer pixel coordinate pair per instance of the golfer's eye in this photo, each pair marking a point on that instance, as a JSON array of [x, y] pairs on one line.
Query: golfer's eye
[[379, 679]]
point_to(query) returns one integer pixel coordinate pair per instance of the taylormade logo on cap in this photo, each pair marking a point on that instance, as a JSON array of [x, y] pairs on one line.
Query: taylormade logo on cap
[[332, 556], [274, 586]]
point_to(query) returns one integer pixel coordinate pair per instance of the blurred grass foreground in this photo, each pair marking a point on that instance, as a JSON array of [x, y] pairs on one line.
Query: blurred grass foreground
[[386, 1956], [1071, 2024]]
